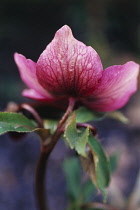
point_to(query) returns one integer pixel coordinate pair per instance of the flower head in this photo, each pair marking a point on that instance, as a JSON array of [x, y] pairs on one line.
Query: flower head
[[69, 68]]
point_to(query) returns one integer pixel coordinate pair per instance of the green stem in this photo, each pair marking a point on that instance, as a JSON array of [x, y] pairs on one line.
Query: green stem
[[46, 148]]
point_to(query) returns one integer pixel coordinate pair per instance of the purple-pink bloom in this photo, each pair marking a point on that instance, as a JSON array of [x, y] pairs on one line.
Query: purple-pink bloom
[[69, 68]]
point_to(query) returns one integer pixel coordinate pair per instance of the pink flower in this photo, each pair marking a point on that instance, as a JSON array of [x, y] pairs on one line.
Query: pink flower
[[69, 68]]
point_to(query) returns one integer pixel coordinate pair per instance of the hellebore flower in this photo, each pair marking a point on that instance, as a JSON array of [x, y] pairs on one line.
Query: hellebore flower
[[69, 68]]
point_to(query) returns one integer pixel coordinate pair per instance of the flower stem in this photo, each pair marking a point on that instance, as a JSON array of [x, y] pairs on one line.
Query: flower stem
[[61, 123], [33, 112], [46, 148], [40, 181], [85, 125]]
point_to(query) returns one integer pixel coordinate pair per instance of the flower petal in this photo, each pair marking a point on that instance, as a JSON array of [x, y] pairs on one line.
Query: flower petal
[[118, 83], [33, 94], [67, 66], [27, 69], [60, 102]]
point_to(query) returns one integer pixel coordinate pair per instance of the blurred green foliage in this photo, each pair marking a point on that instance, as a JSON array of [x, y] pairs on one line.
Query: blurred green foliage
[[79, 190]]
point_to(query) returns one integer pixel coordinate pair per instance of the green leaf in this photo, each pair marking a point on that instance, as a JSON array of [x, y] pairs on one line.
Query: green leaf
[[77, 139], [97, 164], [88, 190], [84, 115], [15, 122], [117, 115], [79, 191], [72, 171], [101, 164], [51, 124]]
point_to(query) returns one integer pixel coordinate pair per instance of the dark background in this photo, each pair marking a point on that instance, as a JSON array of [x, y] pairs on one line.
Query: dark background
[[112, 28]]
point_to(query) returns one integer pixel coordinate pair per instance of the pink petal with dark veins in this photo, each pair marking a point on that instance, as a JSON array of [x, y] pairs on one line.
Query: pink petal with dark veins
[[60, 102], [27, 69], [118, 83], [33, 94], [68, 67]]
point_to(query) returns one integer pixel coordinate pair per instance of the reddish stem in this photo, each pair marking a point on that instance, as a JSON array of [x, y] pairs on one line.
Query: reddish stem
[[85, 125], [40, 182], [46, 148], [33, 112]]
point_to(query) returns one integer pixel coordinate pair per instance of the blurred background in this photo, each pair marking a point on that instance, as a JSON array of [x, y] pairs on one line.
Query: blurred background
[[112, 28]]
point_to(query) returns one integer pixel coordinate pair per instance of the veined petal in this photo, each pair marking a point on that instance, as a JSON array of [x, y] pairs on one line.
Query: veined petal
[[27, 69], [118, 83], [33, 94], [60, 102], [67, 66]]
